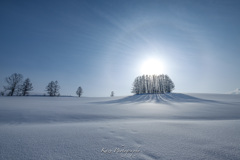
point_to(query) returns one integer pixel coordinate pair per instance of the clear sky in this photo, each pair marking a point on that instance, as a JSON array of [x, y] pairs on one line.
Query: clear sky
[[103, 45]]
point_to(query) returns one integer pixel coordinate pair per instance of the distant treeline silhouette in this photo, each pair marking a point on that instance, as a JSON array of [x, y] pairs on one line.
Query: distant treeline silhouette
[[142, 84], [153, 84], [17, 87]]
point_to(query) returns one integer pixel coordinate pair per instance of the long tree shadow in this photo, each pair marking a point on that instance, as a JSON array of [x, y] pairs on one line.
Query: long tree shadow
[[160, 98]]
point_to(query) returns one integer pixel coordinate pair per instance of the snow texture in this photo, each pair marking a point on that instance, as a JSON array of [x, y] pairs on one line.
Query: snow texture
[[148, 126]]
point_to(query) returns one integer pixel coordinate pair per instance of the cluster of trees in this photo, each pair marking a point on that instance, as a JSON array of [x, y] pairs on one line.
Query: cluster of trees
[[17, 87], [53, 88], [153, 84]]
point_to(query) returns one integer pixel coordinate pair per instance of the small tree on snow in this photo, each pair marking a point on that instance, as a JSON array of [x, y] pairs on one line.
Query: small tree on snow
[[79, 91], [26, 87], [112, 94], [53, 88]]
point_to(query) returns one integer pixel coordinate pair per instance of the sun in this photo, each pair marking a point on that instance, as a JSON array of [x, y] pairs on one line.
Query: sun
[[152, 66]]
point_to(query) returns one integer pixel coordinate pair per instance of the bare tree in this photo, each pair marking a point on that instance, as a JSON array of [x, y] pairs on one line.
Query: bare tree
[[53, 88], [18, 91], [112, 94], [79, 91], [26, 87], [13, 83]]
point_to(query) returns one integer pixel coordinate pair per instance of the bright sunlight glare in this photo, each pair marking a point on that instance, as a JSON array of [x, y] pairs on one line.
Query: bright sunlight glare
[[152, 66]]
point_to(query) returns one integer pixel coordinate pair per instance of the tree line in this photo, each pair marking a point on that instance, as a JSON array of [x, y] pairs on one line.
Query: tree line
[[17, 87], [142, 84], [153, 84]]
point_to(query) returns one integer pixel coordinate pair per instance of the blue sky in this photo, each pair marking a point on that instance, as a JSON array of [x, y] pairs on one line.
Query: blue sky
[[102, 45]]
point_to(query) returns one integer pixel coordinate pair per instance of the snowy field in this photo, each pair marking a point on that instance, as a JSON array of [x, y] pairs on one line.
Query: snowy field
[[148, 127]]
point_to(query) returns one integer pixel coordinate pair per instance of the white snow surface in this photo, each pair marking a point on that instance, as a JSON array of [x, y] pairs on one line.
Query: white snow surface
[[149, 126]]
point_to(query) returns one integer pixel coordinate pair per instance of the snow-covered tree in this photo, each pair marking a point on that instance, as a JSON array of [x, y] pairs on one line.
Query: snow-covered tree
[[13, 82], [53, 88], [153, 84], [79, 91], [26, 87], [136, 86]]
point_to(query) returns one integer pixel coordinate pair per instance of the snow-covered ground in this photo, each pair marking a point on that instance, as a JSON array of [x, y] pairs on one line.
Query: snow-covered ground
[[171, 126]]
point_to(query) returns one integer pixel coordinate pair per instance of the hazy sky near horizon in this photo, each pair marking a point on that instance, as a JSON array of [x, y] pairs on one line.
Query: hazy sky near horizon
[[102, 45]]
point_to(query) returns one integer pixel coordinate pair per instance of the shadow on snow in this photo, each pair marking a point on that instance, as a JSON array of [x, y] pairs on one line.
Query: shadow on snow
[[159, 98]]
